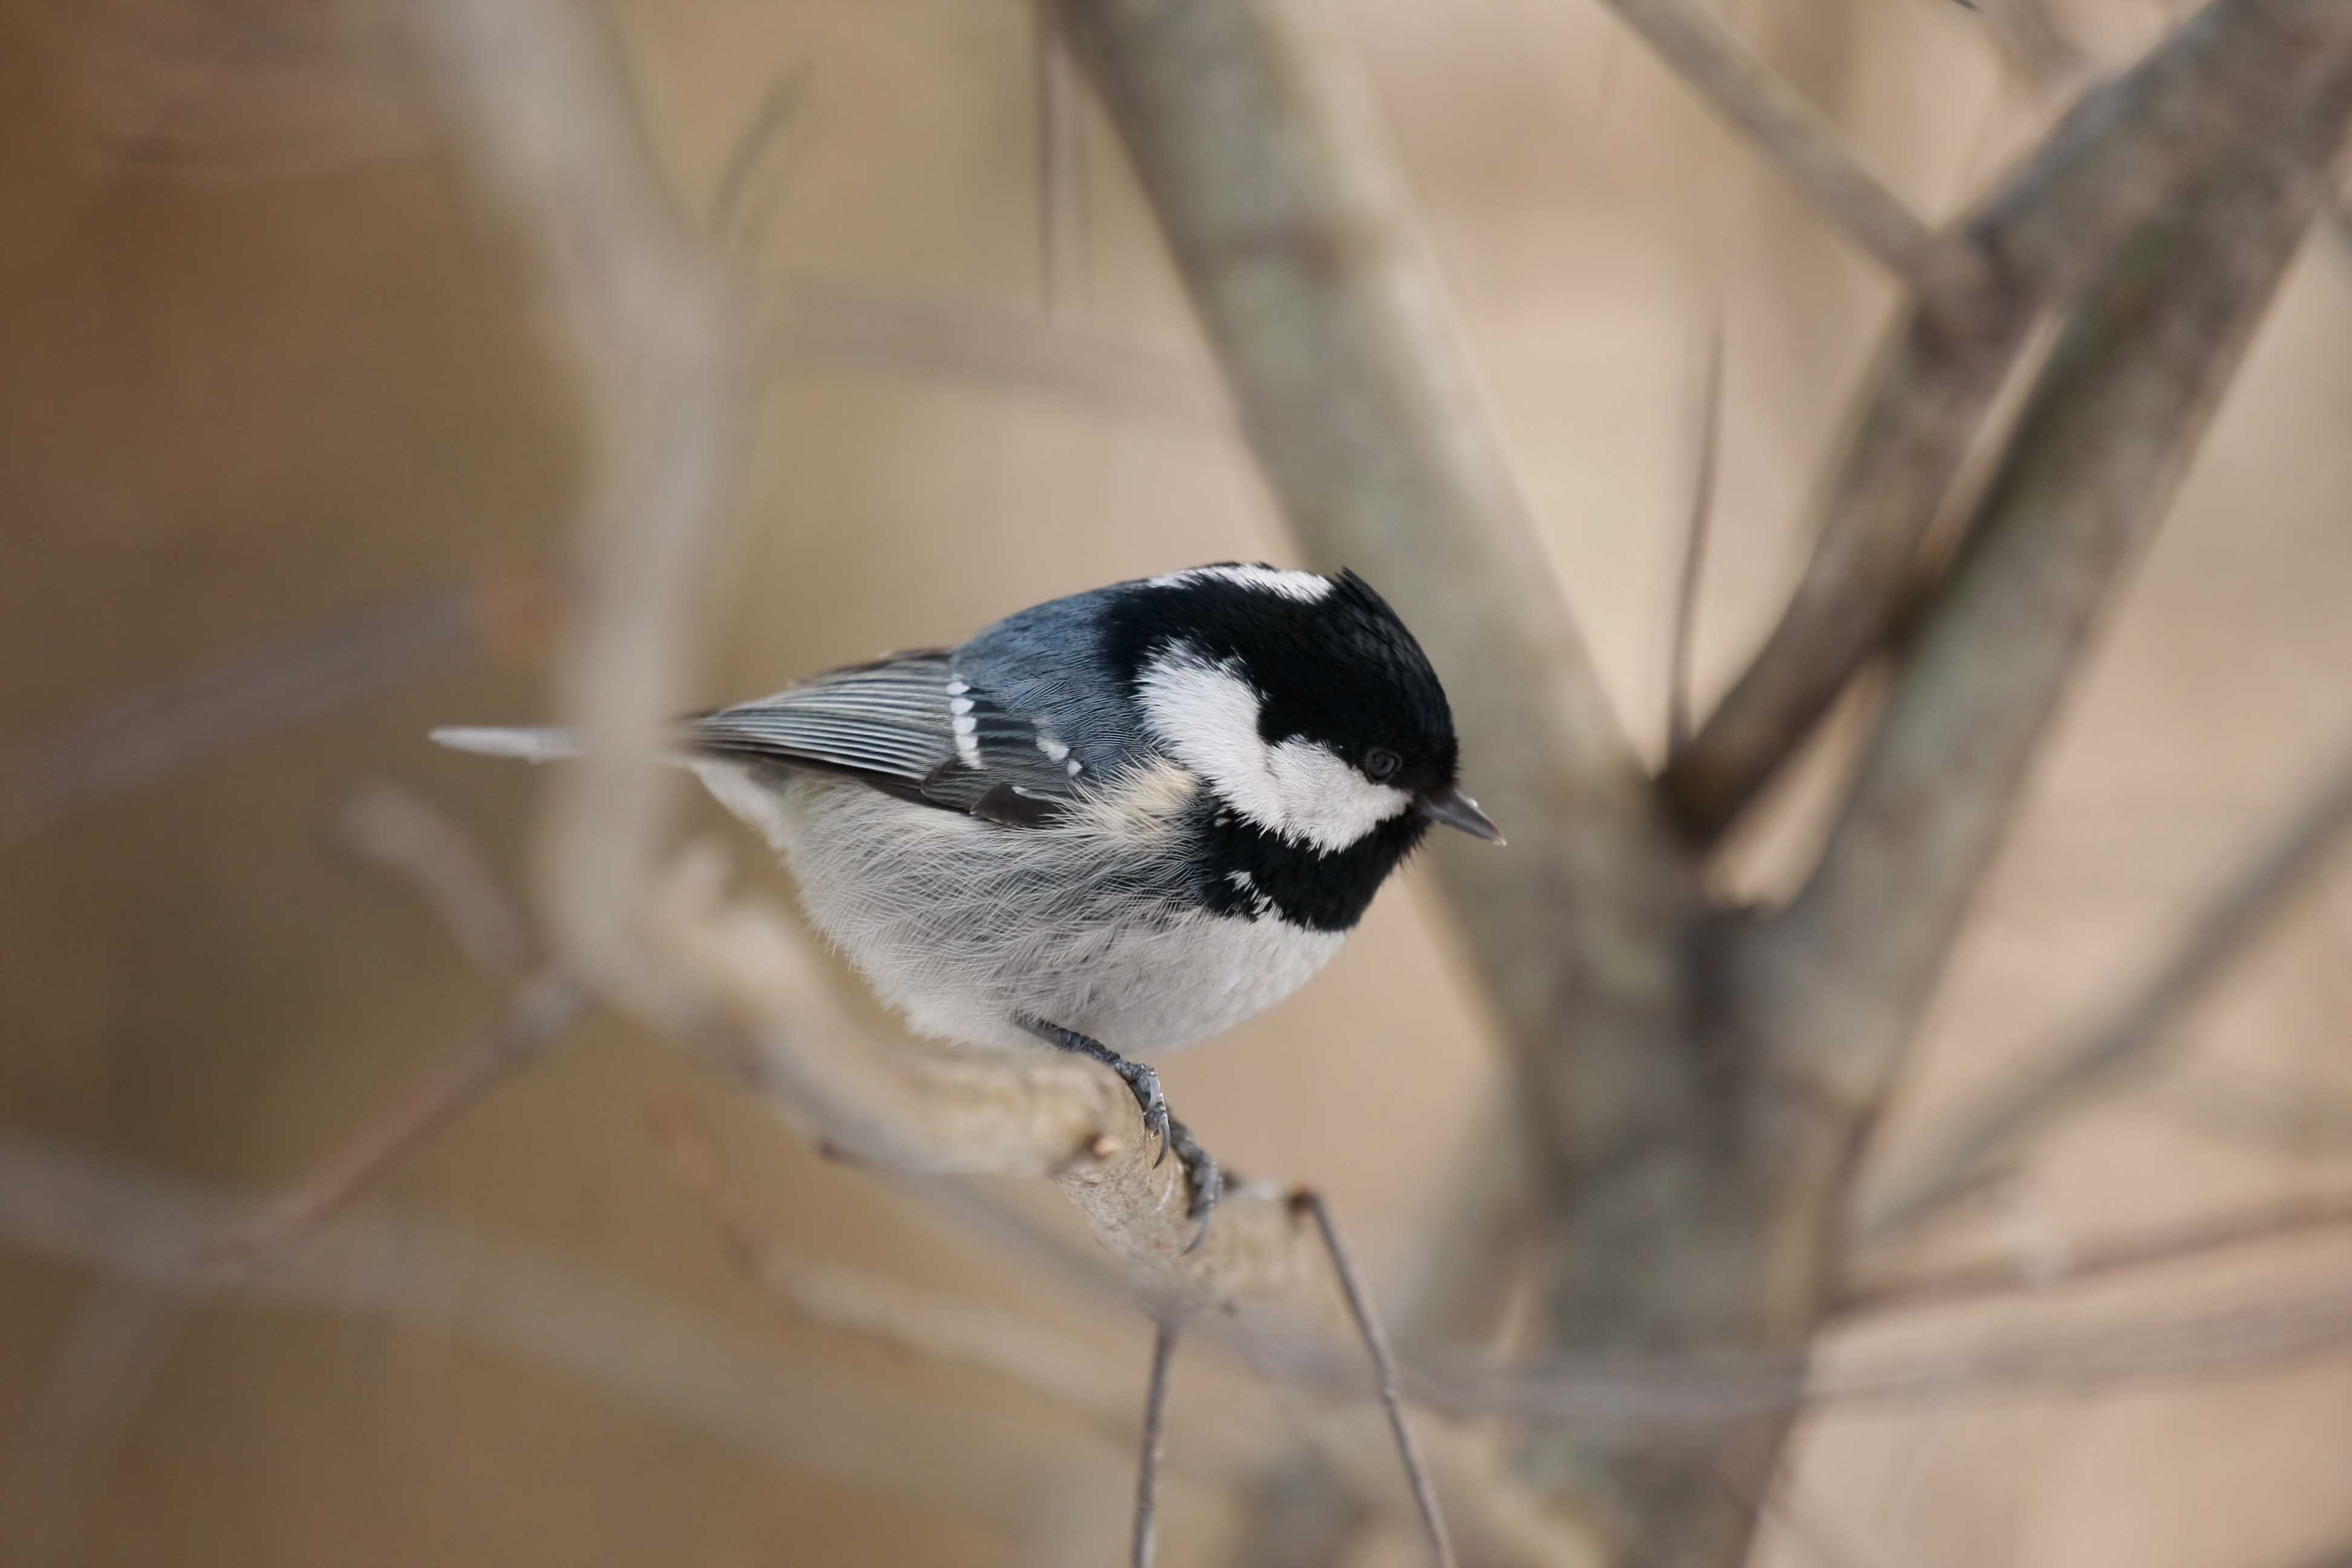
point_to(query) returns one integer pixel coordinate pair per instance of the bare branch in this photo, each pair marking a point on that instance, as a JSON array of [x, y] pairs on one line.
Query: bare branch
[[2132, 1036], [147, 734], [1154, 1443], [2101, 1258], [554, 132], [735, 218], [1944, 274], [419, 1272], [403, 833], [1843, 973], [2226, 79], [543, 1008], [1384, 1371]]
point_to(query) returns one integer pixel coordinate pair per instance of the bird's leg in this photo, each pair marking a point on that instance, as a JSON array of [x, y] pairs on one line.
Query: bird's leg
[[1199, 1169]]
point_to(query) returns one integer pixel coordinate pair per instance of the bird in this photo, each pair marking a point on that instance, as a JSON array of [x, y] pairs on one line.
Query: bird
[[1113, 824]]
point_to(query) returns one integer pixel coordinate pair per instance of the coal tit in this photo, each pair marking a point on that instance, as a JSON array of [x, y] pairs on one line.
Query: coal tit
[[1118, 822]]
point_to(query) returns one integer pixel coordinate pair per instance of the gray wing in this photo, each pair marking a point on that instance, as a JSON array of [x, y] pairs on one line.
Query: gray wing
[[908, 724]]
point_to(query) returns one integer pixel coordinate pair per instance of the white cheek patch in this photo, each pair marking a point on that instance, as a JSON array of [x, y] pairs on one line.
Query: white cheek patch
[[1306, 587], [1207, 718], [1206, 715], [1326, 802]]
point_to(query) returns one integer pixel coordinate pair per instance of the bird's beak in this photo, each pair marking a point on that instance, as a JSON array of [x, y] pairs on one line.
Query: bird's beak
[[1451, 807]]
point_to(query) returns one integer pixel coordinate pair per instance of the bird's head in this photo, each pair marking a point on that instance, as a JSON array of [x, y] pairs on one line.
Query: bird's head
[[1301, 699]]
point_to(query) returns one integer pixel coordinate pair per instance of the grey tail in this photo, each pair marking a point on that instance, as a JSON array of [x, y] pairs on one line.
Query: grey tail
[[527, 745]]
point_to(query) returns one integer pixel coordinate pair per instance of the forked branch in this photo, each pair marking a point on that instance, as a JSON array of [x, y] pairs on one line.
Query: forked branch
[[2229, 78]]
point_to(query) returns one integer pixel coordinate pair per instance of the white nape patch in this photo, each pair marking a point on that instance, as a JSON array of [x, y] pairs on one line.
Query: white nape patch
[[1304, 586], [1206, 715]]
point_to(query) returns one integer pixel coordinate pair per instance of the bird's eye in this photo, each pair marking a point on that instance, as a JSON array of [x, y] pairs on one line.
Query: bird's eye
[[1380, 763]]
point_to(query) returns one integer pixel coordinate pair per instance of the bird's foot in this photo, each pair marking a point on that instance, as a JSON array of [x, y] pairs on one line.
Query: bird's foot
[[1208, 1183], [1200, 1170]]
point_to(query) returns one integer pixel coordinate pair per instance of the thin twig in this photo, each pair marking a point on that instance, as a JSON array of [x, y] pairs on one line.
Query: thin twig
[[1709, 426], [1944, 274], [2099, 1259], [543, 1006], [1384, 1374], [415, 1271], [400, 831], [781, 110], [1155, 1442], [2131, 1036], [146, 735]]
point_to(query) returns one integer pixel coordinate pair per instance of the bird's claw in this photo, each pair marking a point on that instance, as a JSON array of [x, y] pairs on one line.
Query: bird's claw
[[1156, 1120]]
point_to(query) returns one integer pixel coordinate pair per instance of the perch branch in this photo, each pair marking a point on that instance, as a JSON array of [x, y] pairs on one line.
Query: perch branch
[[2227, 78], [2132, 1035], [1944, 274]]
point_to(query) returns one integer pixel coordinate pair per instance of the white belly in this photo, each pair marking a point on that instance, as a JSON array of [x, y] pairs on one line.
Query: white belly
[[966, 926]]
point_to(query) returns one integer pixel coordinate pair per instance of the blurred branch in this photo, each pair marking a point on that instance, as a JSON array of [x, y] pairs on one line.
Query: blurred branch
[[1842, 974], [123, 1337], [60, 1202], [2100, 1259], [2227, 78], [2135, 1032], [808, 315], [735, 218], [554, 132], [405, 835], [2040, 50], [1701, 513], [1942, 273], [2240, 1340], [151, 732]]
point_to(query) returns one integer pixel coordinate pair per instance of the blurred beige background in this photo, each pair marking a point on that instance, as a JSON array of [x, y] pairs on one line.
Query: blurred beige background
[[272, 390]]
